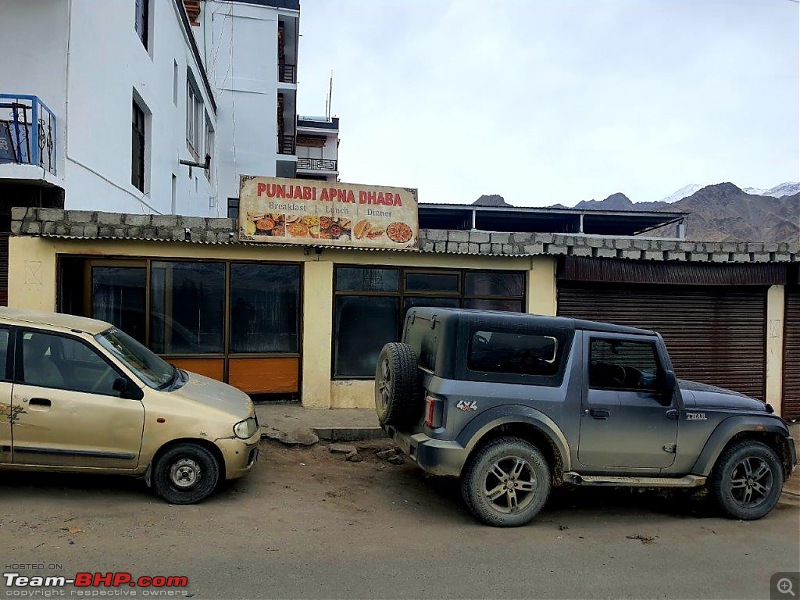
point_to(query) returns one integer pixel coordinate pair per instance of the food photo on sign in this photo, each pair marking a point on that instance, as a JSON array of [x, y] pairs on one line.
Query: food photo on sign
[[273, 209]]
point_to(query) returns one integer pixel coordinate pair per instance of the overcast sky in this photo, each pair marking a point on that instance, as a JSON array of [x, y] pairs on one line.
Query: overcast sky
[[545, 101]]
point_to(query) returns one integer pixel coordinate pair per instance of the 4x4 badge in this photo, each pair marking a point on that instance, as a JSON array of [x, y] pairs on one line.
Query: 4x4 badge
[[467, 406]]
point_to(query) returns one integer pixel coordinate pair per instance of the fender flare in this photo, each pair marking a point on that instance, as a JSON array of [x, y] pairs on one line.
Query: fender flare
[[726, 430], [476, 429]]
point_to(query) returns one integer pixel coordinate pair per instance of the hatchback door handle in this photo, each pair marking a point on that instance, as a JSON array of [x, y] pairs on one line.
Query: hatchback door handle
[[599, 413], [43, 402]]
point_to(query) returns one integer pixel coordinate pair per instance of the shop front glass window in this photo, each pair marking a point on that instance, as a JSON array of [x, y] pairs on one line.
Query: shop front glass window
[[118, 297], [187, 307], [264, 308], [363, 325]]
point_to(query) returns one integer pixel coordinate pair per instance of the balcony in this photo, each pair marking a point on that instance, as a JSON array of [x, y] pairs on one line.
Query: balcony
[[287, 73], [286, 144], [27, 132], [316, 164]]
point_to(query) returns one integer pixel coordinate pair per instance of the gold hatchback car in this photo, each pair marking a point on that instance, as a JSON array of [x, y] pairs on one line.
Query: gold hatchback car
[[80, 395]]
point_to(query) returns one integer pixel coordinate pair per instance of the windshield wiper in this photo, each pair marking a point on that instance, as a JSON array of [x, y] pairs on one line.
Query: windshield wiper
[[172, 379]]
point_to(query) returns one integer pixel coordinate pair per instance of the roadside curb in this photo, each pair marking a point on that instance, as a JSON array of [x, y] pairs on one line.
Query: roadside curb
[[313, 435], [349, 434]]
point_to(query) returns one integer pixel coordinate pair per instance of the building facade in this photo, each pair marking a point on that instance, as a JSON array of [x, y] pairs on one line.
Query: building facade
[[307, 322]]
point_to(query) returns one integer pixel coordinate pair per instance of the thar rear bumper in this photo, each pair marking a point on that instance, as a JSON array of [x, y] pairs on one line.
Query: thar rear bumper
[[437, 457]]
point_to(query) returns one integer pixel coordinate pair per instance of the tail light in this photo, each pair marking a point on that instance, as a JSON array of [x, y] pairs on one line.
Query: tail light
[[434, 411]]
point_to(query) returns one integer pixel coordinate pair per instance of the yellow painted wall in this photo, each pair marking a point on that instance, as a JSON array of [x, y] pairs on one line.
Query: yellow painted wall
[[32, 273], [353, 393], [317, 334], [542, 286], [775, 326]]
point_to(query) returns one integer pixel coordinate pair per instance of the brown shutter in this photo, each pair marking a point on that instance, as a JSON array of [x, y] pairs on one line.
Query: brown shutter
[[4, 268], [714, 335], [790, 407]]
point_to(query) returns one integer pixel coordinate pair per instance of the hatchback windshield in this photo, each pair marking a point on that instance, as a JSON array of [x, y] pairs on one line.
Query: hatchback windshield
[[149, 367]]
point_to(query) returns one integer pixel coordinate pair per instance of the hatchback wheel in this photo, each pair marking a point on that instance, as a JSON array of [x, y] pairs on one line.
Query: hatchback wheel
[[747, 480], [186, 474], [506, 483]]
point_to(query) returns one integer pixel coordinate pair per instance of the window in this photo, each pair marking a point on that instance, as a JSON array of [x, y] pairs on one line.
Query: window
[[518, 353], [175, 87], [187, 307], [118, 297], [138, 148], [61, 362], [622, 365], [142, 20], [4, 371], [363, 325], [370, 304], [233, 208], [265, 308], [209, 144], [194, 118]]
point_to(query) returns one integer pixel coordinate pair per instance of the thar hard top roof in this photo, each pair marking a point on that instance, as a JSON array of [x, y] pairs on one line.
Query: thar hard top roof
[[498, 317]]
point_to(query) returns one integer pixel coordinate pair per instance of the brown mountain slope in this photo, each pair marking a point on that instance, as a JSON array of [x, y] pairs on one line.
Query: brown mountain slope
[[724, 213]]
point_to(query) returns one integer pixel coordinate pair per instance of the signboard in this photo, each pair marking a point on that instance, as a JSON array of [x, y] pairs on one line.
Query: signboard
[[303, 211]]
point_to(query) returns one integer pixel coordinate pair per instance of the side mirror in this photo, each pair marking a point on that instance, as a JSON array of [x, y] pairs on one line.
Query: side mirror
[[669, 383], [127, 389]]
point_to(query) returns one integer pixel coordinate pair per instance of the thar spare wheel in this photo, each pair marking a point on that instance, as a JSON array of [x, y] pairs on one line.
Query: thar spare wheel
[[395, 383]]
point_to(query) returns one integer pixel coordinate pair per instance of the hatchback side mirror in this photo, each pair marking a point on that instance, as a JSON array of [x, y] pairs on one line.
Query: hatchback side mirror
[[127, 389]]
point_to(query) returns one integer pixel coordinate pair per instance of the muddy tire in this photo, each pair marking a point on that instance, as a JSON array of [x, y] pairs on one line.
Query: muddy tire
[[506, 483], [185, 474], [747, 480], [396, 384]]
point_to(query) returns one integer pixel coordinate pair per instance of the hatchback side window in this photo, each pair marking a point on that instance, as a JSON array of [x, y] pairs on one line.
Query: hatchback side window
[[4, 366], [61, 362], [622, 365]]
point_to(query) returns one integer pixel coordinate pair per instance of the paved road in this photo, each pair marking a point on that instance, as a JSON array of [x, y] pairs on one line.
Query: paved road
[[308, 524]]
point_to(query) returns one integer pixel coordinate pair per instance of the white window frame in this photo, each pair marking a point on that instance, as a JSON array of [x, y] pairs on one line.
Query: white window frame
[[194, 118]]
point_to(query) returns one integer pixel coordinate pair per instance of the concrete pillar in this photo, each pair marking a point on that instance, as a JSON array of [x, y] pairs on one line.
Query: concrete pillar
[[317, 333], [775, 323], [542, 286]]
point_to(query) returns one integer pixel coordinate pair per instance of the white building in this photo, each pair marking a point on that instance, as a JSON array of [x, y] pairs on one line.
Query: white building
[[251, 48], [118, 77], [318, 148], [150, 106], [135, 97]]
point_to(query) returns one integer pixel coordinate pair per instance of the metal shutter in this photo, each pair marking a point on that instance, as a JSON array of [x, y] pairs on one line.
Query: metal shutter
[[714, 335], [790, 406]]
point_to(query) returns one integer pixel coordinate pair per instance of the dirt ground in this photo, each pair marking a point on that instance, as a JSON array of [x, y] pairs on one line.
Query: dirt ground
[[308, 524]]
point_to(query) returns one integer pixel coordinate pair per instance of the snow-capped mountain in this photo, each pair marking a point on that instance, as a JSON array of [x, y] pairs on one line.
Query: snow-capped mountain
[[682, 193], [790, 188]]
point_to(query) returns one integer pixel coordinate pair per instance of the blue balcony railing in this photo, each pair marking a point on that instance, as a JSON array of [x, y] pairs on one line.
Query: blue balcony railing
[[27, 132]]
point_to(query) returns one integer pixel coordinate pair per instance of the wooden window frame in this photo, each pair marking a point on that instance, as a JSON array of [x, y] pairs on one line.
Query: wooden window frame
[[402, 293]]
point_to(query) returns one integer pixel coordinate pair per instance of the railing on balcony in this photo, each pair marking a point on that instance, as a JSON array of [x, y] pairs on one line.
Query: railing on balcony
[[316, 164], [286, 73], [27, 132], [285, 144]]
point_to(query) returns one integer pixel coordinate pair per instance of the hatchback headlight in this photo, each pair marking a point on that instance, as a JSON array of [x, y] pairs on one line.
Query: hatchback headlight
[[245, 429]]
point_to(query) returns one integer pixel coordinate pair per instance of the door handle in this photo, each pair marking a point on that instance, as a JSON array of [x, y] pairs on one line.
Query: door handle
[[43, 403], [599, 413], [672, 414]]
